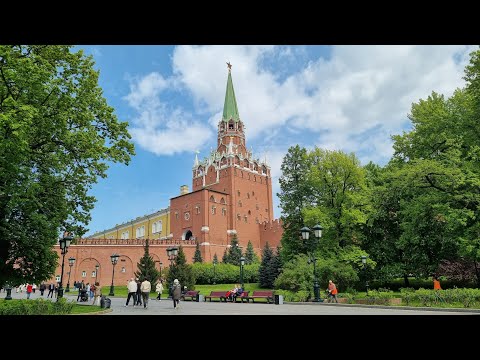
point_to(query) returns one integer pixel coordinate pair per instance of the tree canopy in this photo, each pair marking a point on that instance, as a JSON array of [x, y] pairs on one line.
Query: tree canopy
[[57, 137]]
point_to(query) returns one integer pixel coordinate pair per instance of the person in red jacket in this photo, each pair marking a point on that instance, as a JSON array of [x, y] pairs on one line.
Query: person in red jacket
[[29, 290], [332, 292]]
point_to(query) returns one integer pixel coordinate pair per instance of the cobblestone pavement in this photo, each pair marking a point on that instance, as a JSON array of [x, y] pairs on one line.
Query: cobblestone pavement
[[165, 307]]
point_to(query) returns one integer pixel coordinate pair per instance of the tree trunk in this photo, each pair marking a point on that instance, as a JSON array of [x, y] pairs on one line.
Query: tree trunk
[[406, 281]]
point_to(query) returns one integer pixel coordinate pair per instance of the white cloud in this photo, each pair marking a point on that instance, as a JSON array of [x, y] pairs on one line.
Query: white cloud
[[352, 101], [158, 127], [360, 89]]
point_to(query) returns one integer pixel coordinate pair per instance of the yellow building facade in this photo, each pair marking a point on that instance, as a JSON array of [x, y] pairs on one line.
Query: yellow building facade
[[150, 226]]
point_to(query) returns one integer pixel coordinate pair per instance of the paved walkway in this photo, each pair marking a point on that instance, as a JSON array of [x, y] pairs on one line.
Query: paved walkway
[[165, 307]]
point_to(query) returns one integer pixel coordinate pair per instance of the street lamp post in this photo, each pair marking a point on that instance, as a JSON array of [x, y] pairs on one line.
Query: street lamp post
[[114, 259], [8, 287], [64, 244], [317, 231], [96, 272], [242, 263], [214, 273], [364, 262], [172, 253], [71, 261]]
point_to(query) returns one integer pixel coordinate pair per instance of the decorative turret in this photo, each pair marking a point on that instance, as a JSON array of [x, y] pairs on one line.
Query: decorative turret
[[230, 109], [231, 145]]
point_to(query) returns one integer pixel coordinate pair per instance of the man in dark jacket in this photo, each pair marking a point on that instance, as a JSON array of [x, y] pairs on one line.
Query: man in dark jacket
[[139, 292]]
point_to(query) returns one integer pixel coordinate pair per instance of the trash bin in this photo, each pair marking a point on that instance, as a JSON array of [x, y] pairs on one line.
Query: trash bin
[[108, 303], [278, 299], [200, 298]]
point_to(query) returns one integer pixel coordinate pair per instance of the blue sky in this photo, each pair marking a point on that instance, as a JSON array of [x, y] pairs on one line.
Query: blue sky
[[350, 98]]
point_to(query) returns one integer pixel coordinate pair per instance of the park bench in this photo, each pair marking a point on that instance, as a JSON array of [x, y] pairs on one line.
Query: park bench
[[260, 294], [192, 294], [217, 294], [243, 296]]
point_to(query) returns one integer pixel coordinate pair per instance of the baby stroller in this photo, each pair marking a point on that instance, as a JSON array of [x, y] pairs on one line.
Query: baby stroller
[[83, 295]]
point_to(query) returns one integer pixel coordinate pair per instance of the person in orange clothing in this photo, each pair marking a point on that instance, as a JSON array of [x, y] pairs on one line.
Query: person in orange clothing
[[436, 284], [332, 292]]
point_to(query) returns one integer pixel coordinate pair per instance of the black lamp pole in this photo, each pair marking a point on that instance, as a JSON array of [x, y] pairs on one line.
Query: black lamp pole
[[64, 244], [172, 253], [214, 273], [96, 272], [364, 262], [8, 287], [71, 261], [242, 263], [317, 231], [114, 260]]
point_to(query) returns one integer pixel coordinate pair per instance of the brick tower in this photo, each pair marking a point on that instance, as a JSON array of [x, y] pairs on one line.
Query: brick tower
[[231, 192]]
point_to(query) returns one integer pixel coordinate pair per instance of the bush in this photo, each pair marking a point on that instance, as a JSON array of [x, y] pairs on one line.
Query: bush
[[296, 275], [300, 296], [36, 307], [397, 284], [224, 273]]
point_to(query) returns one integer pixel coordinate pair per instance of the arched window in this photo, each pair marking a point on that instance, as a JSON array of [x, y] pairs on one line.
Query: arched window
[[222, 201]]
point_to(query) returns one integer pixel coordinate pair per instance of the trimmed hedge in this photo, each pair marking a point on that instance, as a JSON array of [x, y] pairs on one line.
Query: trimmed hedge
[[36, 307], [397, 284], [224, 273]]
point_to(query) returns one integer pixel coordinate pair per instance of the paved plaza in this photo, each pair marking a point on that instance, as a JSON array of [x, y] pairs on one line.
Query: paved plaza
[[165, 307]]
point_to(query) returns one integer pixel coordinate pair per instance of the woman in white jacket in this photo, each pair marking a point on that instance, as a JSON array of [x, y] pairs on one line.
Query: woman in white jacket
[[159, 290]]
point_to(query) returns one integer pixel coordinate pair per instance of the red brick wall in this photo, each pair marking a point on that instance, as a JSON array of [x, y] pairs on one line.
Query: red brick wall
[[89, 254]]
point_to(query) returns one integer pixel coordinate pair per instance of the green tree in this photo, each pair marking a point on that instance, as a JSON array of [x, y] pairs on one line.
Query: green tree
[[234, 252], [215, 258], [197, 257], [182, 271], [264, 272], [146, 267], [294, 196], [383, 228], [340, 197], [225, 257], [435, 168], [250, 256], [57, 137]]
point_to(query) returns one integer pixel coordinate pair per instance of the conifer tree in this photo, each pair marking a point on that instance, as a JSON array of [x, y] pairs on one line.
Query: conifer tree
[[225, 257], [215, 258], [234, 253], [197, 257], [182, 271], [250, 256], [265, 267], [274, 268], [146, 267]]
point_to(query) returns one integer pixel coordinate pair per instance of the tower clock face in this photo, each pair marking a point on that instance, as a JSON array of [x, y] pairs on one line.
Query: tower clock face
[[187, 216]]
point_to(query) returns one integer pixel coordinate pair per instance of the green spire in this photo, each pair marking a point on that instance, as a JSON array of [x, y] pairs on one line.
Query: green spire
[[230, 110]]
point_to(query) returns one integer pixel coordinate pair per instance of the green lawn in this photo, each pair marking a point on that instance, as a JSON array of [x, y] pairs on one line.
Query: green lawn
[[84, 309]]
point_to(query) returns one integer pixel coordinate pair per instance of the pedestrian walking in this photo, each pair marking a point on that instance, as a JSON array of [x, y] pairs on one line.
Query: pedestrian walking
[[145, 288], [176, 293]]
